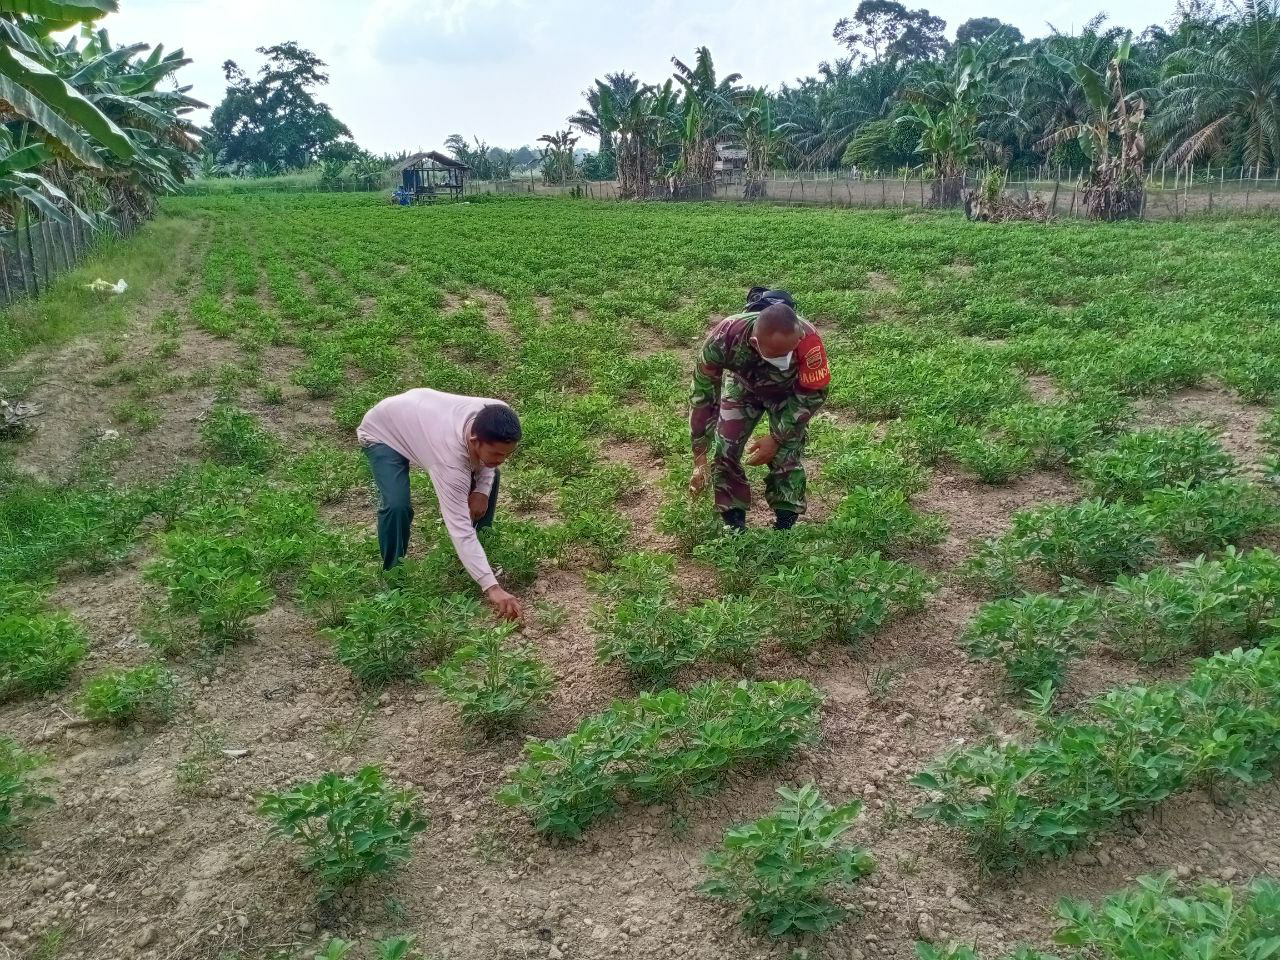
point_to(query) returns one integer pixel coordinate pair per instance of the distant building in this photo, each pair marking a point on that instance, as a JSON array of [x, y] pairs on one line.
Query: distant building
[[731, 162], [425, 176]]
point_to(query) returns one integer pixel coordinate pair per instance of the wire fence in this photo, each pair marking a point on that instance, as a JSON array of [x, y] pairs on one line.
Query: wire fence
[[1168, 194], [32, 257]]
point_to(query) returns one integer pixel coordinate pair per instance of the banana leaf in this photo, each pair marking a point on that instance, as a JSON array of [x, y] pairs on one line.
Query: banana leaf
[[26, 104], [55, 96], [63, 11]]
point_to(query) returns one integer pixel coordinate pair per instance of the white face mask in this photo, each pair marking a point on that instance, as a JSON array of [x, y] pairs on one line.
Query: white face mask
[[782, 363]]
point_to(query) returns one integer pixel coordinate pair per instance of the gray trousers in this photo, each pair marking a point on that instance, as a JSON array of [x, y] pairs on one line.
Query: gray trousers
[[395, 509]]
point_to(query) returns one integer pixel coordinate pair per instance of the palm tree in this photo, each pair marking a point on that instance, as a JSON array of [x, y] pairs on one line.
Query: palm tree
[[588, 121], [762, 137], [643, 121], [1227, 98], [557, 156]]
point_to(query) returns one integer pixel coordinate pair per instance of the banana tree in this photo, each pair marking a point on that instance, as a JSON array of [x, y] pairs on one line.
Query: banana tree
[[642, 121], [1111, 138], [762, 137], [708, 113], [557, 156]]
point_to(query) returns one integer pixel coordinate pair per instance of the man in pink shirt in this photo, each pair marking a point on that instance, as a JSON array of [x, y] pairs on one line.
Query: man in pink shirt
[[460, 442]]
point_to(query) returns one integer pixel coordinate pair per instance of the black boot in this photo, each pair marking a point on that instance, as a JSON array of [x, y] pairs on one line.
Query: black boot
[[735, 520], [786, 519]]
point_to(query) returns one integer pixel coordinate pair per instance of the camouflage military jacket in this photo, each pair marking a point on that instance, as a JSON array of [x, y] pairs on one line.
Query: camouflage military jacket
[[798, 391]]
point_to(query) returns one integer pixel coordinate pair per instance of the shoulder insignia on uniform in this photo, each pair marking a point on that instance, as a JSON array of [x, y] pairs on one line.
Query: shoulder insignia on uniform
[[815, 374]]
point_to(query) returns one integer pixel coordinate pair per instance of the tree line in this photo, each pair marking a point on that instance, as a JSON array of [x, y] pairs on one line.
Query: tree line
[[88, 128], [1204, 89]]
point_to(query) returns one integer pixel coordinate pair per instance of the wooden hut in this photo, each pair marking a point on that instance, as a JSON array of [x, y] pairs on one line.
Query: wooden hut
[[426, 176], [731, 162]]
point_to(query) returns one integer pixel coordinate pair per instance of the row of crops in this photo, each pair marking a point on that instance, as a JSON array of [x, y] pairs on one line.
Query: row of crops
[[1164, 557]]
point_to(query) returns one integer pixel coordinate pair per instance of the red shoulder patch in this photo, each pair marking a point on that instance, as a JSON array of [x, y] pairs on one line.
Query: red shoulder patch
[[814, 374]]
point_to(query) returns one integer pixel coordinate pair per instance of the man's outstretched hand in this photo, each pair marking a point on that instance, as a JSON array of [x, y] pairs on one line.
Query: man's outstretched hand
[[504, 604], [761, 450]]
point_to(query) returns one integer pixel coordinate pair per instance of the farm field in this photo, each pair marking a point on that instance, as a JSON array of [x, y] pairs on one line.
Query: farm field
[[1043, 486]]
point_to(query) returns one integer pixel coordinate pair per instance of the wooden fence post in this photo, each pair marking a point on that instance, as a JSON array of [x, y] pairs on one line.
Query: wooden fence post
[[4, 274], [905, 173], [1053, 205]]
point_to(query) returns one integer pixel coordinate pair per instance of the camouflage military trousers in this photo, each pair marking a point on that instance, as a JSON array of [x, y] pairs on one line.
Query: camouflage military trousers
[[740, 411]]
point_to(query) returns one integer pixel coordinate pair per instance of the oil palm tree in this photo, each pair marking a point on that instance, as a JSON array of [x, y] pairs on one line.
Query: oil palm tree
[[1227, 98]]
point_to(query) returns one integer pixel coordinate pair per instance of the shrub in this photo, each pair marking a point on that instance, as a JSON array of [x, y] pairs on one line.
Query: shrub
[[38, 651], [1057, 434], [875, 465], [1033, 637], [784, 865], [658, 745], [1124, 752], [390, 635], [120, 696], [1144, 460], [349, 827], [236, 438], [492, 685], [867, 521], [1212, 515], [828, 599], [20, 789]]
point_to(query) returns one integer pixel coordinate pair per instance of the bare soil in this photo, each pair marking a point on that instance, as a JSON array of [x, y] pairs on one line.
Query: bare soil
[[154, 849]]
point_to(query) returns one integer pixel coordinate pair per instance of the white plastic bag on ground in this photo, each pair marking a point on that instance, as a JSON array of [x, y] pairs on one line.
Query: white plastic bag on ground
[[103, 286]]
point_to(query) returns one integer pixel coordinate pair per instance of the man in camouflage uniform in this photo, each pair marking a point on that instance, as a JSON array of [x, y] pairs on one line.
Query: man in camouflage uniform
[[776, 365]]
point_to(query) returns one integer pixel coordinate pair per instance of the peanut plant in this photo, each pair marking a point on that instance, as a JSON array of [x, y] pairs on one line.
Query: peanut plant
[[1123, 752], [657, 746], [122, 696], [349, 827], [20, 789], [786, 864], [492, 685]]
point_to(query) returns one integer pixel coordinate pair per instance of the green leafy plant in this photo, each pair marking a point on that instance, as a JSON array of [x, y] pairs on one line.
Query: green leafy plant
[[491, 683], [389, 635], [993, 461], [1195, 606], [349, 827], [1125, 751], [827, 599], [1157, 919], [213, 578], [659, 745], [1145, 460], [1211, 515], [38, 650], [237, 438], [1033, 637], [20, 789], [1090, 540], [784, 865], [121, 696]]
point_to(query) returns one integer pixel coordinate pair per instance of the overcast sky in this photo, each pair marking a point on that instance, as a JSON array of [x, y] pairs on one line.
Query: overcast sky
[[404, 74]]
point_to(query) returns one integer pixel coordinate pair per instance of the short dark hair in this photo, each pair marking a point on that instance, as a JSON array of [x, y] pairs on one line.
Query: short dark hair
[[775, 319], [497, 423]]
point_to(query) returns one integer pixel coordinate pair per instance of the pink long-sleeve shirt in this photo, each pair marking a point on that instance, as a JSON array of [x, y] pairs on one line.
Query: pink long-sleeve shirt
[[430, 430]]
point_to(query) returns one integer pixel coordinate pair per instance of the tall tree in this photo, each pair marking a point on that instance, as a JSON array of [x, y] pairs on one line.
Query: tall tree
[[275, 120], [588, 120], [1227, 100], [708, 113], [1111, 137], [892, 32], [978, 29]]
